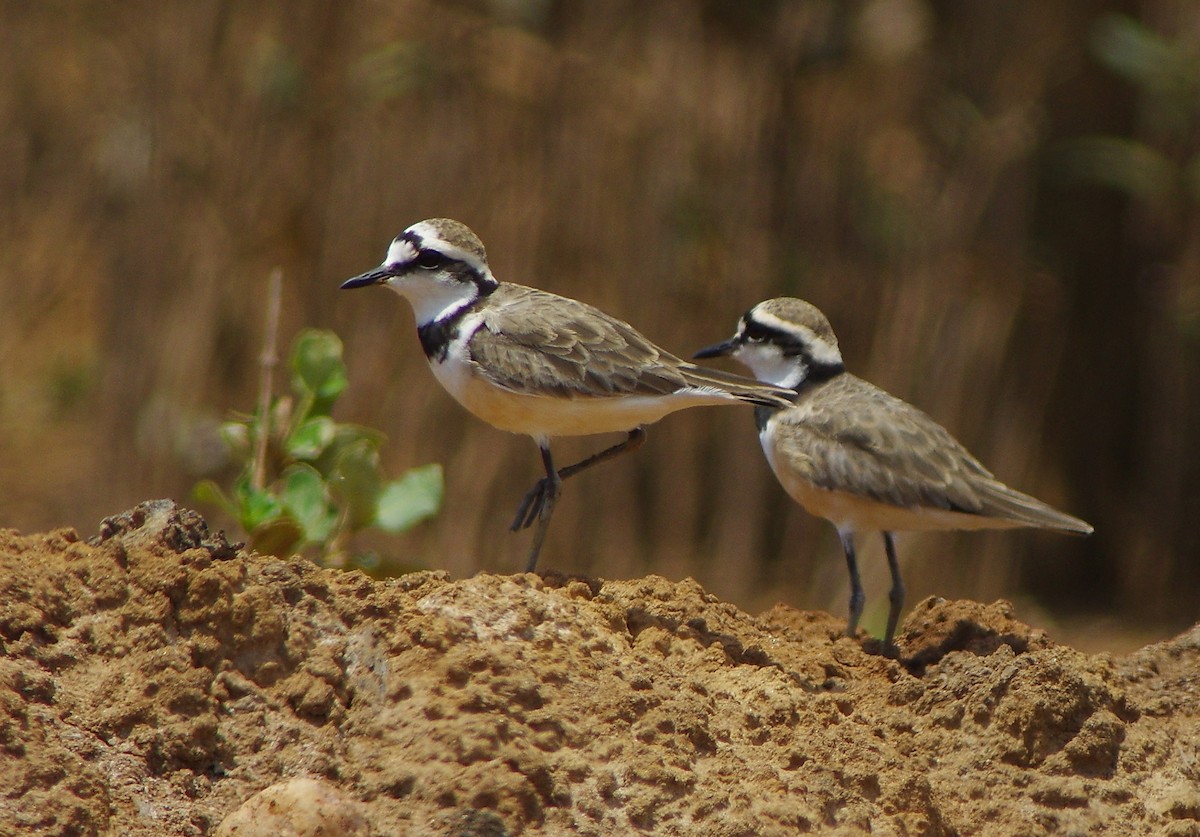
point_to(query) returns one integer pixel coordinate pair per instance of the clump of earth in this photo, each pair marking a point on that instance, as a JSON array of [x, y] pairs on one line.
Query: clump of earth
[[157, 680]]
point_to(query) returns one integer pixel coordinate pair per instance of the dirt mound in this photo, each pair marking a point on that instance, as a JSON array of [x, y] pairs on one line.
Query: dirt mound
[[155, 679]]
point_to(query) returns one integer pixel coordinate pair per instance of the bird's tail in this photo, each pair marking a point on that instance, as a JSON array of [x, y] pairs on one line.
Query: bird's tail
[[738, 386], [1001, 501]]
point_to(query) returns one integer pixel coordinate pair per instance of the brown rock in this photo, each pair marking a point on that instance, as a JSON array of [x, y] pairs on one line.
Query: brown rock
[[152, 684], [300, 807]]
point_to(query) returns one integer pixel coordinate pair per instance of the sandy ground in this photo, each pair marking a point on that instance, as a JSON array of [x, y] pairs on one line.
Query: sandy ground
[[156, 681]]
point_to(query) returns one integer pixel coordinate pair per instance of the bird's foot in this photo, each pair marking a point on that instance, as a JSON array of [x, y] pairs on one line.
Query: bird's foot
[[533, 505]]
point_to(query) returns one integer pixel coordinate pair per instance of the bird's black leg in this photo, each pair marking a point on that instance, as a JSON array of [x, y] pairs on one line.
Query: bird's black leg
[[539, 500], [857, 597], [547, 491], [632, 442], [531, 504], [896, 595]]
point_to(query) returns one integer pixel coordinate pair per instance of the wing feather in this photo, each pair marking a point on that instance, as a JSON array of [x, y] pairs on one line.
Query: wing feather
[[859, 439], [536, 342]]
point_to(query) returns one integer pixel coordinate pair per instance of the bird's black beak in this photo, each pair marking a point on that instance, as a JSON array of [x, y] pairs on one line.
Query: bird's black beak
[[371, 277], [718, 350]]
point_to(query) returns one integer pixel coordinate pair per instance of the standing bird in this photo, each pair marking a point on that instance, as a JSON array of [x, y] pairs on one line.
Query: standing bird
[[532, 362], [860, 458]]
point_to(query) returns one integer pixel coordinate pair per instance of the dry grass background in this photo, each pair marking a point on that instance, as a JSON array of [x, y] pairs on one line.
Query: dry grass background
[[898, 162]]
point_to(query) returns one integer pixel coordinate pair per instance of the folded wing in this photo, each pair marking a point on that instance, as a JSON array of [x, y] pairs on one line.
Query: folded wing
[[857, 438]]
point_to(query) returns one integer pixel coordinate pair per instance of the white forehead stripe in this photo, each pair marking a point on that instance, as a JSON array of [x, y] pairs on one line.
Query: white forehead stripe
[[769, 320], [820, 349], [400, 252], [426, 230]]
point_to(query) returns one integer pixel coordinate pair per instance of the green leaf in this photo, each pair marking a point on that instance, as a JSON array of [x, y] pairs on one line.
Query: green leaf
[[207, 491], [255, 507], [412, 498], [1126, 165], [396, 68], [356, 480], [346, 436], [311, 438], [306, 499], [317, 364], [1132, 48], [236, 435], [279, 415], [282, 537]]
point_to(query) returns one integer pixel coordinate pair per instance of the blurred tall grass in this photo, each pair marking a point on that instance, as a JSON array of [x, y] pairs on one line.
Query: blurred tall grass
[[962, 187]]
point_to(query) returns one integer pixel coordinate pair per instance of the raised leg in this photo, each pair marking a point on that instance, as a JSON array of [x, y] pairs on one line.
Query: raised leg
[[539, 501], [895, 595], [531, 504], [857, 597], [632, 442]]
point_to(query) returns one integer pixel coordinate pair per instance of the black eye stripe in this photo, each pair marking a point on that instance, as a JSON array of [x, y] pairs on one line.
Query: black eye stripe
[[755, 330], [430, 259], [792, 345]]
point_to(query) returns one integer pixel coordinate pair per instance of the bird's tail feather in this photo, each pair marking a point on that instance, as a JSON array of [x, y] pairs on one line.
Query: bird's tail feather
[[1002, 501], [739, 386]]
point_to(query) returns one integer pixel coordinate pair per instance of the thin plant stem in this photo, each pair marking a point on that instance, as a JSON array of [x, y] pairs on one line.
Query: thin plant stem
[[268, 360]]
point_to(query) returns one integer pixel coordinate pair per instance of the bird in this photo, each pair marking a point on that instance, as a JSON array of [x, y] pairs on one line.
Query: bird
[[535, 363], [861, 458]]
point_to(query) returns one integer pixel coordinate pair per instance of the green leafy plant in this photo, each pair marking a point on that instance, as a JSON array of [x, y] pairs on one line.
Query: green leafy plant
[[1161, 167], [308, 482]]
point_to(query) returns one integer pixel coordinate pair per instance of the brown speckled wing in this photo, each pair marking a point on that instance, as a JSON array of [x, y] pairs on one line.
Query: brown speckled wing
[[535, 342], [849, 435]]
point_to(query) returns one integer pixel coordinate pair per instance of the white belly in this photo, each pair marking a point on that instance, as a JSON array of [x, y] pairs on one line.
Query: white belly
[[550, 416]]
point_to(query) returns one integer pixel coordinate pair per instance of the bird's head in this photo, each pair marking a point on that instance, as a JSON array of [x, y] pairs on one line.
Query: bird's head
[[784, 341], [438, 265]]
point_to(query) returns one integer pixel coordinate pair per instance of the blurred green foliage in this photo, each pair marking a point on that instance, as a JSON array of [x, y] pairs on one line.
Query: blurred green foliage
[[320, 481], [993, 202], [1163, 163]]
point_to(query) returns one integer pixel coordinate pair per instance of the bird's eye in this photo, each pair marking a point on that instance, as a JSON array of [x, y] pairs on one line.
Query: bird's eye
[[430, 259], [754, 332]]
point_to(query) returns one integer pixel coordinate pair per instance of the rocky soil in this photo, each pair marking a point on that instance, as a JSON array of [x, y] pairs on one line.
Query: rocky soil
[[155, 680]]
